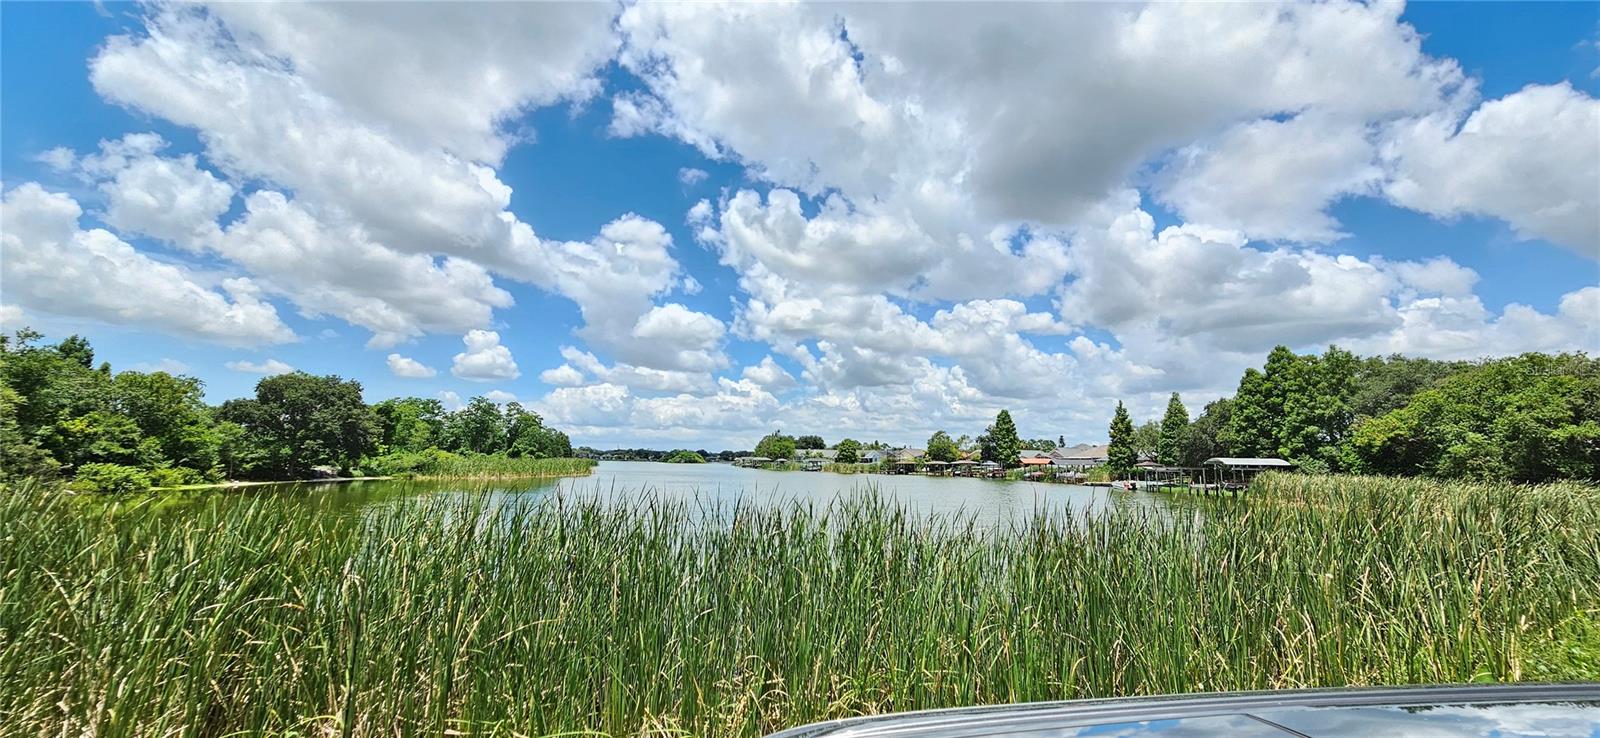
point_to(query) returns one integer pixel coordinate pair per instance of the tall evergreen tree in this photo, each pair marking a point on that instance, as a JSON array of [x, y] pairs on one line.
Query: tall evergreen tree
[[1174, 432], [1000, 442], [1121, 454], [1257, 425]]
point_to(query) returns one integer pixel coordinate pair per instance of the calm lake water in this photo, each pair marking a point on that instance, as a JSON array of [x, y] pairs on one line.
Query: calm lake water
[[723, 485]]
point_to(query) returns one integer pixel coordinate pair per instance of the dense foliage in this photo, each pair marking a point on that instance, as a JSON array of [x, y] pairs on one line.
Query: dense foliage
[[776, 445], [849, 451], [683, 456], [1528, 418], [941, 447], [61, 415], [298, 422], [473, 615]]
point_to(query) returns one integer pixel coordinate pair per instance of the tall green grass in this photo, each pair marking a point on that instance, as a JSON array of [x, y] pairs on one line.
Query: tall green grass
[[437, 464], [429, 615]]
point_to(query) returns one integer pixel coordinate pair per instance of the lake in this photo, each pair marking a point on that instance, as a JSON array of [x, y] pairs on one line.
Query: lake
[[988, 501]]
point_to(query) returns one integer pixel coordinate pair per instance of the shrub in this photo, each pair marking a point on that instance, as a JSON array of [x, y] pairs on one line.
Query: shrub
[[175, 477], [111, 479]]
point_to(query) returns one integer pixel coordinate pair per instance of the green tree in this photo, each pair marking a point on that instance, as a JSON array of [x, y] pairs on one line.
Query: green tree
[[171, 411], [999, 442], [941, 447], [103, 437], [1204, 439], [1530, 418], [76, 350], [1121, 453], [776, 445], [682, 456], [849, 451], [1316, 408], [19, 456], [527, 435], [247, 450], [1383, 384], [1147, 440], [809, 443], [53, 385], [409, 423], [299, 421], [478, 428], [1174, 433], [1258, 407]]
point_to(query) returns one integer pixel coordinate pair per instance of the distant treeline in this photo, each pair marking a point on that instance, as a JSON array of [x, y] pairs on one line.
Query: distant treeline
[[63, 416], [1528, 418], [650, 454]]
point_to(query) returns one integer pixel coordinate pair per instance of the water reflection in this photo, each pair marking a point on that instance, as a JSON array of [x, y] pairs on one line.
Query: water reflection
[[722, 487]]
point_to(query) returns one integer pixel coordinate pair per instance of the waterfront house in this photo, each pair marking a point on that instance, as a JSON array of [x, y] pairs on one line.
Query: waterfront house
[[1081, 456], [901, 455]]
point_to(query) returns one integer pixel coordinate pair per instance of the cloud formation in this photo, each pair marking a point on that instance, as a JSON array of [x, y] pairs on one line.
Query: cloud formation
[[485, 360], [945, 210]]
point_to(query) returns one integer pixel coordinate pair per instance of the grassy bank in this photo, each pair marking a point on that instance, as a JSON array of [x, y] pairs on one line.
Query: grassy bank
[[423, 616], [437, 464]]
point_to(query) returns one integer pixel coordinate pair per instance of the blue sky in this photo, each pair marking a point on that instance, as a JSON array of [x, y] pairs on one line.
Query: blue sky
[[675, 225]]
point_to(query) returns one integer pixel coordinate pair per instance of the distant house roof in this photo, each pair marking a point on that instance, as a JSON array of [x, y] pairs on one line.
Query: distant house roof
[[1082, 451], [819, 453], [1247, 463], [1033, 453], [1035, 461]]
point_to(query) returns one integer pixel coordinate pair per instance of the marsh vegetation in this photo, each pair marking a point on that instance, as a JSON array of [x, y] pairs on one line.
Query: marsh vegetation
[[486, 616]]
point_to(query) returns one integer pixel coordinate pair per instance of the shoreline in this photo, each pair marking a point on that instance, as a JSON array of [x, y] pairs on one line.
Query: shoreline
[[339, 480], [232, 484]]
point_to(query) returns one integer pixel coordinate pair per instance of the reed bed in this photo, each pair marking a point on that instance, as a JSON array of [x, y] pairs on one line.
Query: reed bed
[[486, 617], [488, 466]]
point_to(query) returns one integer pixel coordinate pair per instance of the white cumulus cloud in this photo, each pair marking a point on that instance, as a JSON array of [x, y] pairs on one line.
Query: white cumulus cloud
[[54, 266], [269, 367], [403, 366], [485, 360]]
